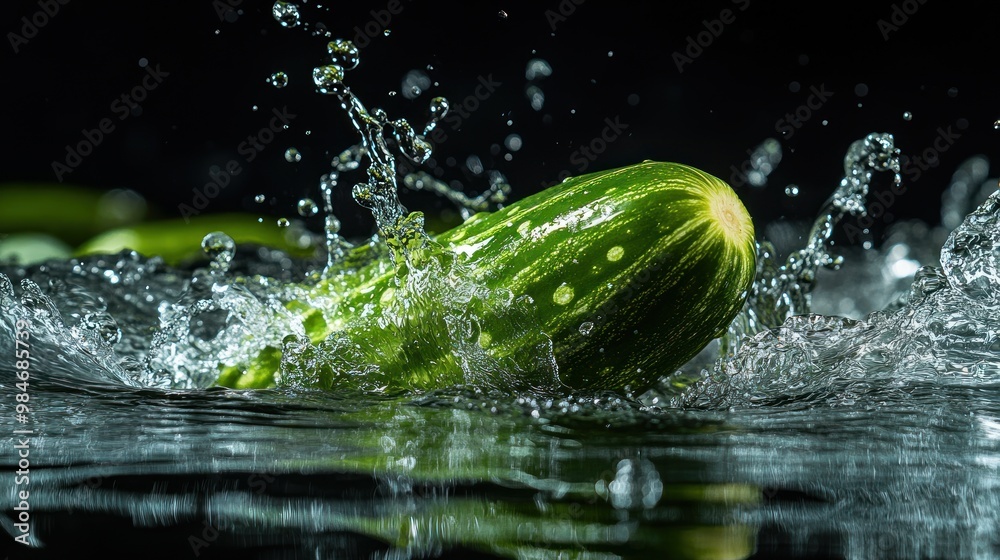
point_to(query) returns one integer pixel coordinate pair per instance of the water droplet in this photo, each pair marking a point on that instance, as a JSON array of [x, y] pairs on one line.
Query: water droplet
[[307, 208], [278, 80], [907, 116], [536, 96], [611, 54], [329, 79], [586, 327], [333, 225], [861, 90], [794, 87], [633, 99], [259, 199], [996, 124], [414, 83], [220, 248], [439, 108], [502, 14], [387, 32], [254, 108], [283, 222], [292, 155], [953, 92], [792, 190], [343, 53], [286, 13], [537, 68], [513, 142]]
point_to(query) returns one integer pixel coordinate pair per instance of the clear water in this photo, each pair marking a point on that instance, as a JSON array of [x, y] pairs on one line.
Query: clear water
[[847, 413]]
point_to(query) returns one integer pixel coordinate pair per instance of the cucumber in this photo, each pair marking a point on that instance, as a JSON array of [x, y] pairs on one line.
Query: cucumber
[[178, 241], [631, 271]]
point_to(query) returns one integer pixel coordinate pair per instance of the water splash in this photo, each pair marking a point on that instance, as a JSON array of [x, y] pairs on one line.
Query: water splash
[[969, 257], [944, 332], [780, 291]]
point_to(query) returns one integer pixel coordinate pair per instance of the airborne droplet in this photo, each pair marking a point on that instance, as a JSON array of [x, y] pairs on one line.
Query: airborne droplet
[[343, 53], [329, 79], [286, 13], [307, 208], [220, 248], [278, 80], [292, 155]]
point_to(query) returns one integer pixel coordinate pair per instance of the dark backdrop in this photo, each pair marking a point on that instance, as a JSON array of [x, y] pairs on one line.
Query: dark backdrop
[[618, 62]]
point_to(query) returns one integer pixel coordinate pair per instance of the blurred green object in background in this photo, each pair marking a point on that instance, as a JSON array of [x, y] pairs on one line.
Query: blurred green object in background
[[179, 240], [45, 221], [72, 214], [32, 248]]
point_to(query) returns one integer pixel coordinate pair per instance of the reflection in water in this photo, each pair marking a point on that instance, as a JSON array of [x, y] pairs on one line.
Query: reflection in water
[[304, 471], [194, 472]]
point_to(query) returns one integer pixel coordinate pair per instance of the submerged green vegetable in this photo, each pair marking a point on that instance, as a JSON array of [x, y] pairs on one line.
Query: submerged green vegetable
[[630, 273], [177, 241]]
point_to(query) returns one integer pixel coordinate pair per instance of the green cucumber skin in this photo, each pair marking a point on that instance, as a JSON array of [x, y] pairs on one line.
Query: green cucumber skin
[[672, 289], [636, 247]]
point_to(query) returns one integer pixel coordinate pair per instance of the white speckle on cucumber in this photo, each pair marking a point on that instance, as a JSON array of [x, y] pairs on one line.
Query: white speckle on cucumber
[[387, 296], [563, 294]]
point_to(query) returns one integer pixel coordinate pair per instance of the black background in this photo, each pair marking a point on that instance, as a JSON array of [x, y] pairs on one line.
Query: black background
[[727, 100]]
